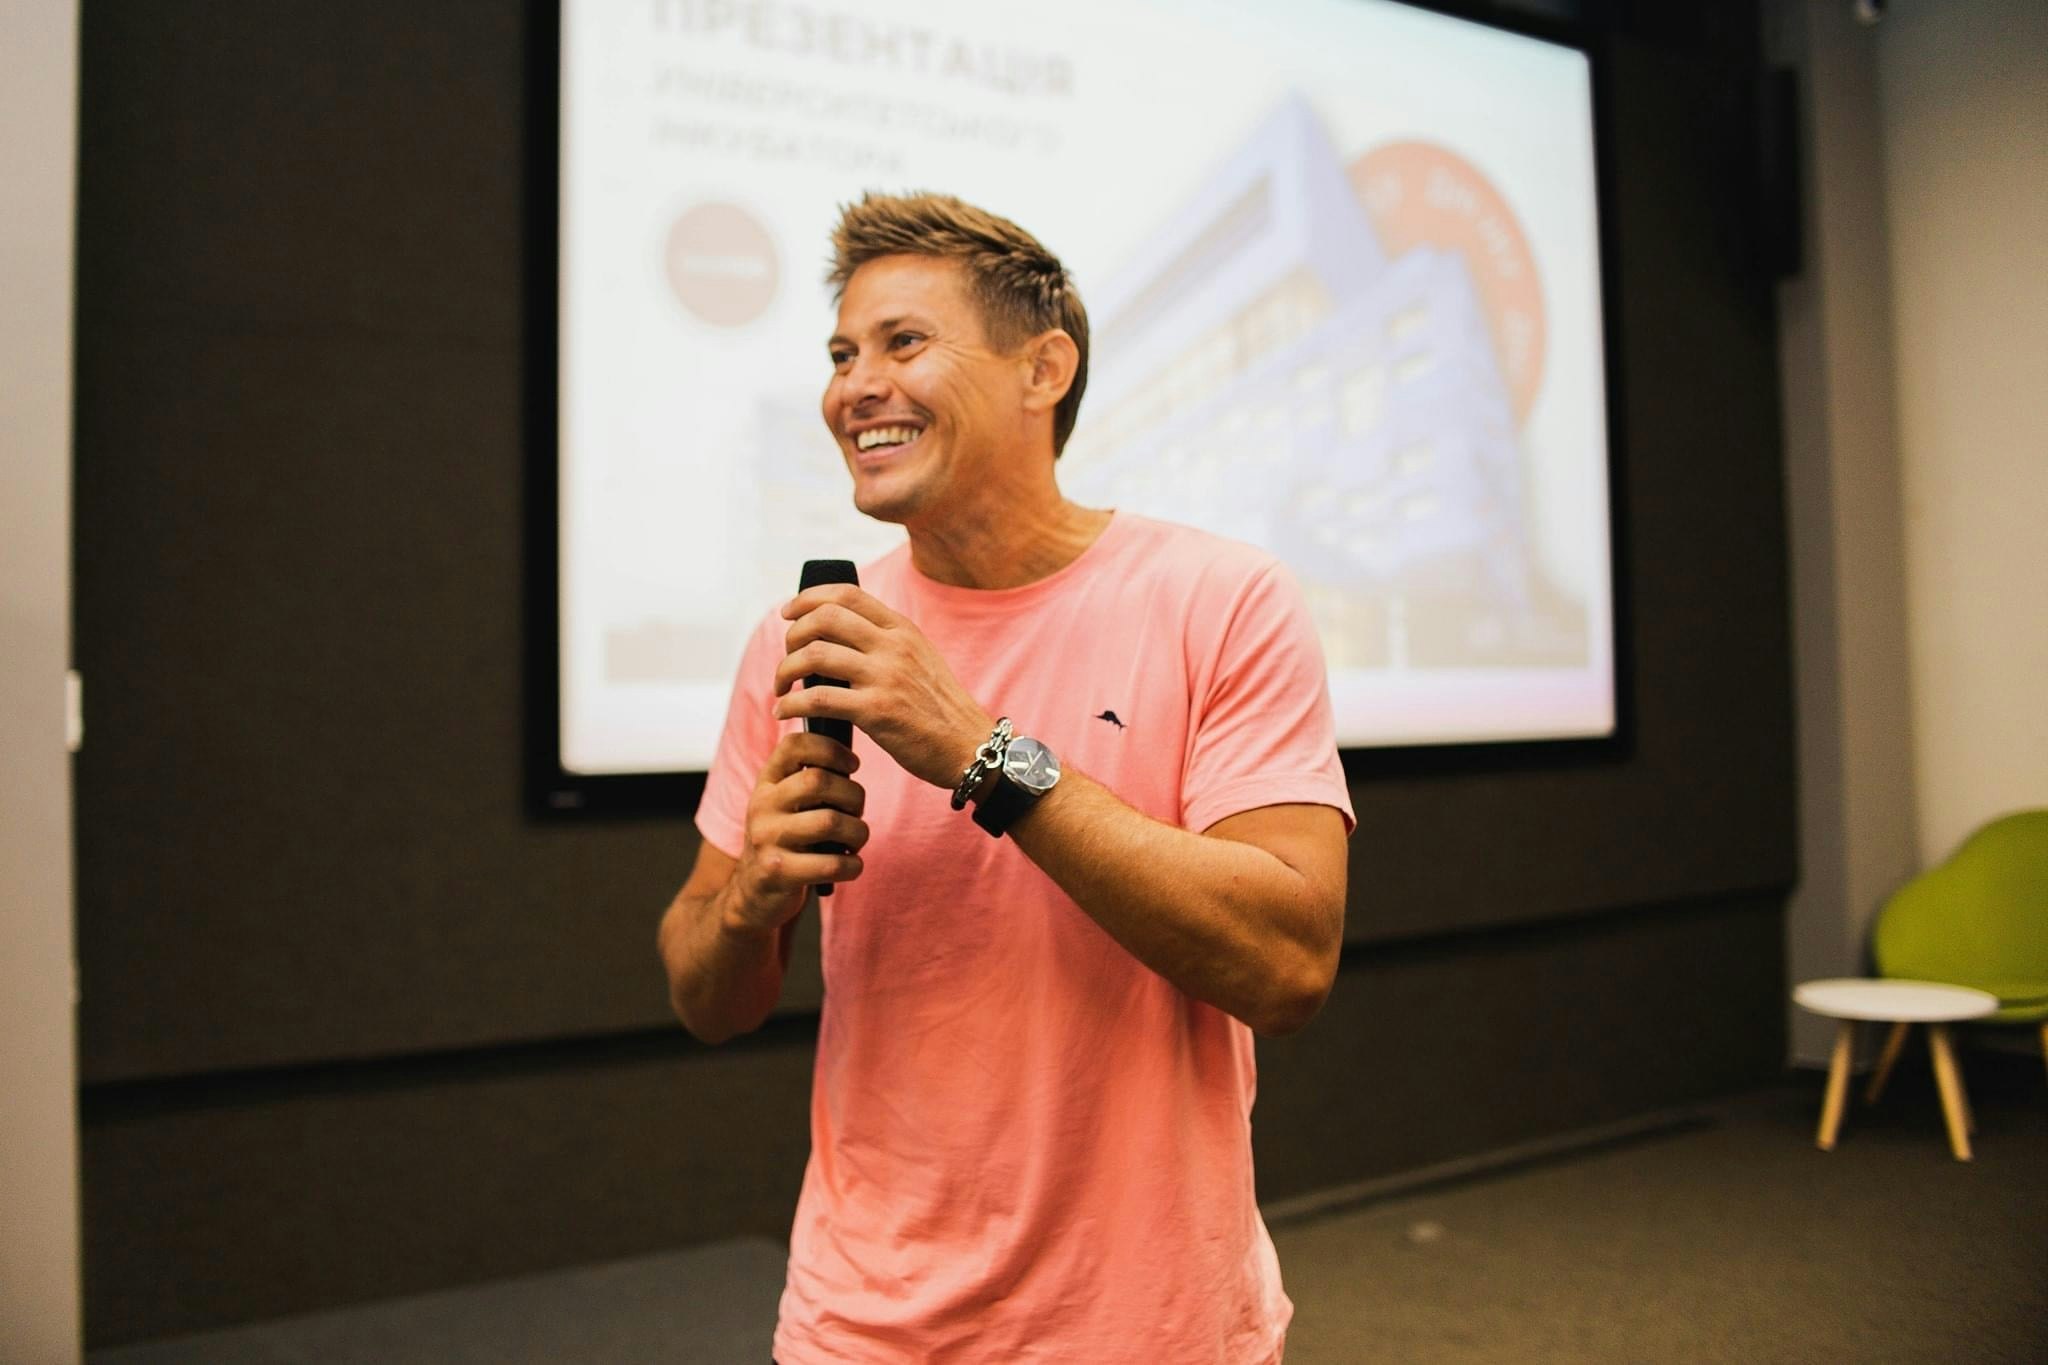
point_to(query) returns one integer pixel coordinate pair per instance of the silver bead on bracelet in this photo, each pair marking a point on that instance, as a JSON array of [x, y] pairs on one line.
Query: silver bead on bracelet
[[987, 759]]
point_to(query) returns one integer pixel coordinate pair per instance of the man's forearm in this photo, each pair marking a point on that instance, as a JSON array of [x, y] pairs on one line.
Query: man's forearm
[[723, 978], [1228, 922]]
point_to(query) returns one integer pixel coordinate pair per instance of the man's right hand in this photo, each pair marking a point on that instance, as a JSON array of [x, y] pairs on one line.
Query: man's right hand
[[805, 796], [725, 939]]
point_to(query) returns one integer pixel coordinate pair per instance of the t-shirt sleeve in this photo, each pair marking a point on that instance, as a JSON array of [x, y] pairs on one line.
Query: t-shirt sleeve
[[749, 736], [1263, 731]]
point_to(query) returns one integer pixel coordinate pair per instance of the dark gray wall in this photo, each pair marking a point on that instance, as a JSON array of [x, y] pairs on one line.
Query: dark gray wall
[[353, 1025], [252, 1196]]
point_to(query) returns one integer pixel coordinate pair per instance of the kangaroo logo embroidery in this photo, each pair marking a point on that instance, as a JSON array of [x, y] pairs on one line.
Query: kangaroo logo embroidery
[[1110, 716]]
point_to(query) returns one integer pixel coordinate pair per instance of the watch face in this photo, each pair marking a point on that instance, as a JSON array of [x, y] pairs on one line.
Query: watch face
[[1031, 766]]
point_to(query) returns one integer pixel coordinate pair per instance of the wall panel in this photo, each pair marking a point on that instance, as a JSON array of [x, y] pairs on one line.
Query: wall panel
[[300, 564], [353, 1025]]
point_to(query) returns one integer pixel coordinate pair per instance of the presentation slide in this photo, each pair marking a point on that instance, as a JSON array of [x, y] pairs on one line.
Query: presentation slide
[[1341, 260]]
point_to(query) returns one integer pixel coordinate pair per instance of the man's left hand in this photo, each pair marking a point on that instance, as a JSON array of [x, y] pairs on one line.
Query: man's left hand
[[900, 692]]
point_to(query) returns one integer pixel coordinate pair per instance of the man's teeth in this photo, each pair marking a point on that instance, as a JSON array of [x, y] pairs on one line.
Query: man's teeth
[[885, 436]]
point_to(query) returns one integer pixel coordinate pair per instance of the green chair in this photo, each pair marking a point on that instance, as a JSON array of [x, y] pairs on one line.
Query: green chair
[[1979, 919]]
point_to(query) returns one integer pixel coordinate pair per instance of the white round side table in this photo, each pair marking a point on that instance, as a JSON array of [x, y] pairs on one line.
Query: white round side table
[[1900, 1004]]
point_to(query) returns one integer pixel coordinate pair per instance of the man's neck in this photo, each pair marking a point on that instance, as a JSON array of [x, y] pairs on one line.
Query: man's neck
[[1027, 541]]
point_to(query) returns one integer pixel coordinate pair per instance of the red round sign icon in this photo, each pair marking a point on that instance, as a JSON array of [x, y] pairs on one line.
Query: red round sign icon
[[722, 264]]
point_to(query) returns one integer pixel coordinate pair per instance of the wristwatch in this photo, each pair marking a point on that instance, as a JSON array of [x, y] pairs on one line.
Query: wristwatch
[[1028, 771]]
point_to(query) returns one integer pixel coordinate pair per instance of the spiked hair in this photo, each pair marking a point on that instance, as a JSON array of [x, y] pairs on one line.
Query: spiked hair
[[1021, 287]]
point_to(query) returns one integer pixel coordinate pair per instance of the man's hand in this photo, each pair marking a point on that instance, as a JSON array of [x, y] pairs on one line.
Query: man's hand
[[899, 692], [805, 796]]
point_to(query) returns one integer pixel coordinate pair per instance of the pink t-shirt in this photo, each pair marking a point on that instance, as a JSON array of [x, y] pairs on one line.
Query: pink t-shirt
[[1026, 1145]]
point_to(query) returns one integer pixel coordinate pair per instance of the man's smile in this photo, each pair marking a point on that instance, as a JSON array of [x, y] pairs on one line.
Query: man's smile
[[876, 446], [885, 436]]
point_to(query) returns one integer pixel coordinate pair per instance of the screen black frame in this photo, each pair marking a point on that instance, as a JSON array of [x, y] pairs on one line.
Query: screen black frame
[[554, 792]]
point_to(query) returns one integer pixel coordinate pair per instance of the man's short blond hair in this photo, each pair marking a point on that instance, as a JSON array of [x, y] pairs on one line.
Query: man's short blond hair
[[1022, 288]]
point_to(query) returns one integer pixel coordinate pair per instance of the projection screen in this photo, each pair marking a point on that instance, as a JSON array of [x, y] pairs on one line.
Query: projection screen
[[1343, 264]]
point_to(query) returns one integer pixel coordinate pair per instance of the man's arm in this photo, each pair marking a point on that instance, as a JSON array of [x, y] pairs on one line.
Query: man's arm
[[1247, 915], [725, 939], [723, 978]]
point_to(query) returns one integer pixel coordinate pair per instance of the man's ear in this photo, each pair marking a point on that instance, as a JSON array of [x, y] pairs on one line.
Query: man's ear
[[1053, 358]]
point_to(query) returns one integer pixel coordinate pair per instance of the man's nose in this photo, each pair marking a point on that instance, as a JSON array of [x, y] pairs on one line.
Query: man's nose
[[865, 380]]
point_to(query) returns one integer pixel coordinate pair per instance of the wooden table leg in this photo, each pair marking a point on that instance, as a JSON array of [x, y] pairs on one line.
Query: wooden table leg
[[1838, 1085], [1954, 1107], [1884, 1062]]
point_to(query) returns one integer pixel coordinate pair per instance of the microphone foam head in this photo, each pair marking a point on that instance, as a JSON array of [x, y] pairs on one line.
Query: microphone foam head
[[818, 571]]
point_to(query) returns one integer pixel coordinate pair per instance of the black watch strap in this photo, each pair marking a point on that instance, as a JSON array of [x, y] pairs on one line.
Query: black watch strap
[[1005, 804]]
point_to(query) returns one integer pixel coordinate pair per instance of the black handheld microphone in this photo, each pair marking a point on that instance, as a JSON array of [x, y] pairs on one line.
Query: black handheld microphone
[[818, 571]]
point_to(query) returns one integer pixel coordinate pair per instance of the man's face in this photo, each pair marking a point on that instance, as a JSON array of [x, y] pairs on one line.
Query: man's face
[[924, 409]]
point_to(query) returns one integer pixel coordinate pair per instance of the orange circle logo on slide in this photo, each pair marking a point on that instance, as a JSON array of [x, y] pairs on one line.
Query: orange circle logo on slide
[[1421, 194], [722, 264]]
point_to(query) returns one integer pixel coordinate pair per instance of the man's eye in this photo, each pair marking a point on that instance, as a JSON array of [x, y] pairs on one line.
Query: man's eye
[[902, 339], [840, 358]]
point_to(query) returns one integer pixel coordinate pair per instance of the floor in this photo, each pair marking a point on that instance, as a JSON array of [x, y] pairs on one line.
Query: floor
[[1729, 1238], [1734, 1241]]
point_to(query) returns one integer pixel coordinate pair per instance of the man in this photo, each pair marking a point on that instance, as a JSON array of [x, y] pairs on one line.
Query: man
[[1030, 1120]]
